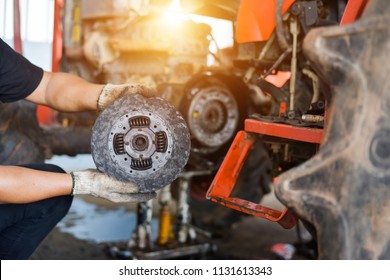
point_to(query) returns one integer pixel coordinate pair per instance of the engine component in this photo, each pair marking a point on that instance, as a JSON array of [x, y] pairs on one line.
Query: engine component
[[141, 140], [343, 191], [213, 116], [214, 106]]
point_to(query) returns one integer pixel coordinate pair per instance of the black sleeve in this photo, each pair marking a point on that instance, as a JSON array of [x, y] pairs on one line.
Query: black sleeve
[[18, 77]]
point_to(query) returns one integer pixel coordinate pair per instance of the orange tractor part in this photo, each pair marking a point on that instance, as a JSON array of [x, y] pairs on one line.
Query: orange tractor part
[[256, 19], [256, 22]]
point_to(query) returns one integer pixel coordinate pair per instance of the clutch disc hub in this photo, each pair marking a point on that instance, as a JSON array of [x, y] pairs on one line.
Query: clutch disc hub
[[140, 142]]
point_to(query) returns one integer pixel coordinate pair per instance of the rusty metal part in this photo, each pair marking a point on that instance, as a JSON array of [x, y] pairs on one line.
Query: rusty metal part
[[214, 105], [344, 191], [226, 178], [141, 140], [213, 116]]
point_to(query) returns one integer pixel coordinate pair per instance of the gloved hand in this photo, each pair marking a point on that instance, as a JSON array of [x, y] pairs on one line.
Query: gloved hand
[[96, 183], [111, 92]]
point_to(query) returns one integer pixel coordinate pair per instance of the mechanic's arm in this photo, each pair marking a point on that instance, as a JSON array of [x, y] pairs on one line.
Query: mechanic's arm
[[69, 93], [23, 185], [66, 92]]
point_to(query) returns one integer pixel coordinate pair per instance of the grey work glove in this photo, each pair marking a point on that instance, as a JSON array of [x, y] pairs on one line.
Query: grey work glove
[[96, 183], [111, 92]]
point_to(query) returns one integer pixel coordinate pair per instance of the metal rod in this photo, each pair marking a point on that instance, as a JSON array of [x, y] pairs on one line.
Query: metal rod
[[184, 215], [277, 63], [294, 31]]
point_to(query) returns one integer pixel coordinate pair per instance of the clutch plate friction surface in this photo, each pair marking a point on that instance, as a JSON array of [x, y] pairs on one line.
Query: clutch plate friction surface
[[141, 140]]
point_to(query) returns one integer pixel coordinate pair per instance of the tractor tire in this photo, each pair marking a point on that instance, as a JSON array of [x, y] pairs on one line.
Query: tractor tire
[[344, 190]]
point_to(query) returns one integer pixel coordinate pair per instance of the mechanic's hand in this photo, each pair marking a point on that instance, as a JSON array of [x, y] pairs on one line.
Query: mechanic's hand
[[111, 92], [96, 183]]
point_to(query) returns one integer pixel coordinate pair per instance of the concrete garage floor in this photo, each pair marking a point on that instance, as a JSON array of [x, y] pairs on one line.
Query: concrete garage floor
[[93, 225]]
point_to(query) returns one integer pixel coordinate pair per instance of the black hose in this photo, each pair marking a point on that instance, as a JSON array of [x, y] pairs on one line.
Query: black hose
[[278, 94]]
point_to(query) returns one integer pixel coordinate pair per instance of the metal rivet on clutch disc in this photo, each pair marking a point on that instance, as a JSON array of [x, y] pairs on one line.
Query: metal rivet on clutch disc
[[141, 140]]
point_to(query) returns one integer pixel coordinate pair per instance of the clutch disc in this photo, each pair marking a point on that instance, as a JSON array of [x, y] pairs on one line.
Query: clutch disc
[[141, 140]]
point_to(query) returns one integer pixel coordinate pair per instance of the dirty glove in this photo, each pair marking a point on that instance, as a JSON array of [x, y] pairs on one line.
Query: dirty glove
[[98, 184], [111, 92]]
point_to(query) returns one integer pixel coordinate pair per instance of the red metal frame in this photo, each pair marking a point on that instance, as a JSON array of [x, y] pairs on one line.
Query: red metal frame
[[57, 36], [17, 37], [226, 178], [45, 114], [353, 11], [227, 175]]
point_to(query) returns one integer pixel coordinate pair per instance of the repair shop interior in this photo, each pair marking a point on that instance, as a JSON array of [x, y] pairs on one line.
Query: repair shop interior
[[268, 139]]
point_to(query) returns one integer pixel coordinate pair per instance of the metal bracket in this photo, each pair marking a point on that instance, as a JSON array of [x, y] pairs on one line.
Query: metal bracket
[[225, 180], [227, 175]]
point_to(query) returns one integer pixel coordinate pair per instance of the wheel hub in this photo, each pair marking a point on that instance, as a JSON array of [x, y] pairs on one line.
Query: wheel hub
[[214, 116]]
